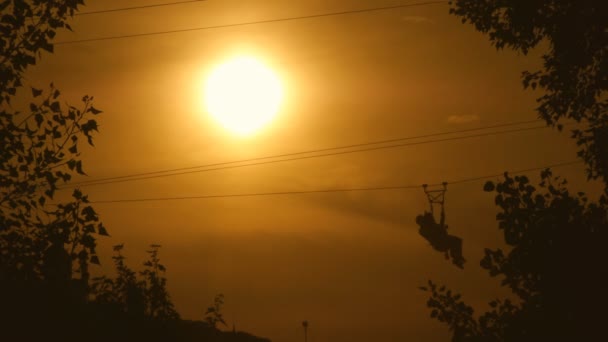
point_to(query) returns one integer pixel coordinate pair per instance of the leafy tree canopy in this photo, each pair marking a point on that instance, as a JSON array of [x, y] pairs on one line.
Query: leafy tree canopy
[[554, 260], [554, 266], [40, 152], [27, 28], [574, 76]]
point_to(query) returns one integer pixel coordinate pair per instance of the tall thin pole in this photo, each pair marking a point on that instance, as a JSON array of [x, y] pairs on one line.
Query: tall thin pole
[[305, 325]]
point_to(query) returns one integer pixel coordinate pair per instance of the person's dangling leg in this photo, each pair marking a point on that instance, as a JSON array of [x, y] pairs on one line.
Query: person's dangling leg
[[456, 250]]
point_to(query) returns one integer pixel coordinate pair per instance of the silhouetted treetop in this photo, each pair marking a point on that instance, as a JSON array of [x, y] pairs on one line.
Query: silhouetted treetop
[[27, 27], [574, 75], [554, 265], [143, 296], [40, 152], [214, 315]]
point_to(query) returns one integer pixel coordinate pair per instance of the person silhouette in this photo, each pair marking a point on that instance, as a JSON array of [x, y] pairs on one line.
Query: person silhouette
[[437, 235]]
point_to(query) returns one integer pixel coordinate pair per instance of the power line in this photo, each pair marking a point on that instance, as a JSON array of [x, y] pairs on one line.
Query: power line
[[259, 194], [474, 179], [268, 21], [300, 158], [377, 142], [138, 7]]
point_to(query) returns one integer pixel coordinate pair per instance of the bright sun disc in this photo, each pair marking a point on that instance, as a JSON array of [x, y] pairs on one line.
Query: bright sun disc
[[243, 95]]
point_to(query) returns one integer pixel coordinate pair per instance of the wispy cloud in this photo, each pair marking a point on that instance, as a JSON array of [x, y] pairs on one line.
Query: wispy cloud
[[417, 19], [461, 119]]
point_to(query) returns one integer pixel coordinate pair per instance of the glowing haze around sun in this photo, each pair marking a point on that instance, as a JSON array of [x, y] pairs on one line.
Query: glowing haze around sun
[[243, 95]]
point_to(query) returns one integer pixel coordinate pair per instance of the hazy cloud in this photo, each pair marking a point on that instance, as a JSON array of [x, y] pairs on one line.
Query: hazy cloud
[[417, 19], [461, 119]]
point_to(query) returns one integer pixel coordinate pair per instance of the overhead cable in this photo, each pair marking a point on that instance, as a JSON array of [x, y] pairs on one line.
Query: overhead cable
[[375, 148], [342, 147], [281, 193], [268, 21], [121, 9]]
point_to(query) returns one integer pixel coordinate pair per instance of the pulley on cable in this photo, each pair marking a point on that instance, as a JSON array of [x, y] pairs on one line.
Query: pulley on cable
[[437, 233]]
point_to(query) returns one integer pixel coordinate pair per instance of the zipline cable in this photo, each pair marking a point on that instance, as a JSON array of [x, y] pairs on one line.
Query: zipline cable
[[280, 193], [377, 142], [300, 158]]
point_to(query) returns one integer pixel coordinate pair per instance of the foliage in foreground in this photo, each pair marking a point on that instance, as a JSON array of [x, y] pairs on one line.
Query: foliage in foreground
[[554, 265], [46, 248], [574, 71]]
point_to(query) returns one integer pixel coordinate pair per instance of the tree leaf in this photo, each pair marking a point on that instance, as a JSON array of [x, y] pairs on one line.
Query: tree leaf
[[102, 230], [94, 110], [95, 260]]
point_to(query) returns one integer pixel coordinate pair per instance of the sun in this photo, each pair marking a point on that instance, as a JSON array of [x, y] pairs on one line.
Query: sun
[[243, 95]]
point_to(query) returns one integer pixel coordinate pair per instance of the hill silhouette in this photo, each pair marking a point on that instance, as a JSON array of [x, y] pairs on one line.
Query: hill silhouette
[[125, 308]]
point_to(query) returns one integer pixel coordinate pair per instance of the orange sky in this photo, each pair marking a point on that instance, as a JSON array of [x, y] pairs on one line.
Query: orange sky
[[349, 263]]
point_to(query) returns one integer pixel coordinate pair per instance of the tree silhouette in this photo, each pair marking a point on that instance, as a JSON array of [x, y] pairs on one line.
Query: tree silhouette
[[159, 302], [554, 260], [574, 76], [46, 248], [146, 296], [28, 27], [214, 315], [554, 266], [40, 152], [124, 292]]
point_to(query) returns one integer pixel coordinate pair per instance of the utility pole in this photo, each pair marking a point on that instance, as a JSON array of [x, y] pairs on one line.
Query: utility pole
[[305, 325]]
